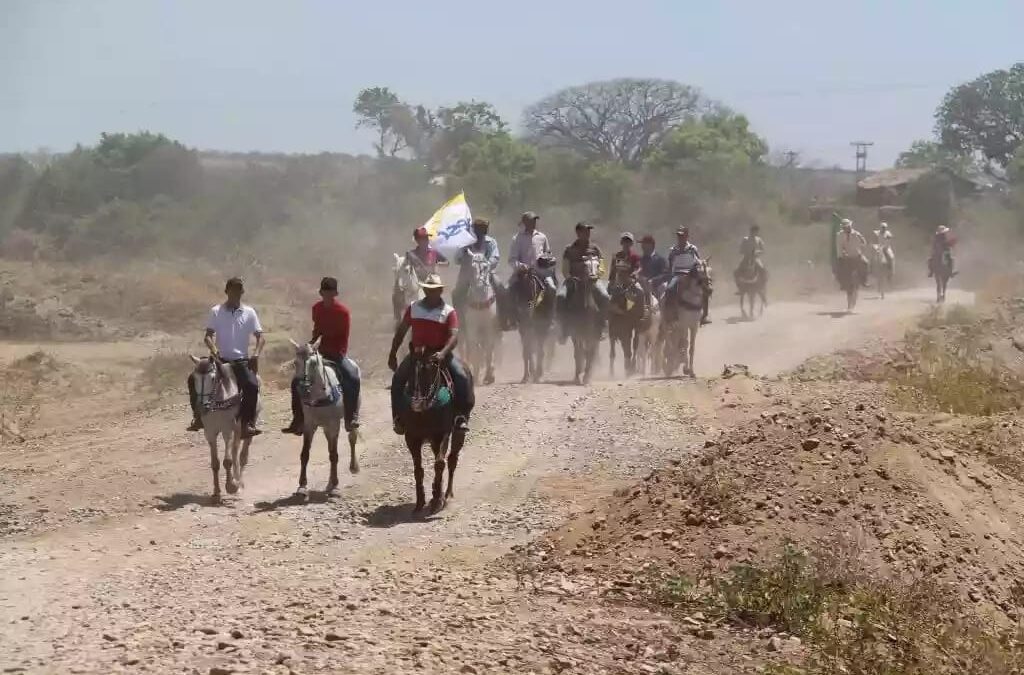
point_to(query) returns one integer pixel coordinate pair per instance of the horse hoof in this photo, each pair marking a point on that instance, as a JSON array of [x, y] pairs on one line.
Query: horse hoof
[[489, 378], [215, 498], [331, 489], [231, 488], [436, 506], [353, 468], [418, 508], [301, 491]]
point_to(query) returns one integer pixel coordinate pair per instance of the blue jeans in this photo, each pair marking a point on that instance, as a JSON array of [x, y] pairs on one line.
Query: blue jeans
[[465, 399]]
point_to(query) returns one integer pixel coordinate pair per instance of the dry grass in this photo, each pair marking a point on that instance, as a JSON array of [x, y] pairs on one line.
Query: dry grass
[[853, 622], [164, 373]]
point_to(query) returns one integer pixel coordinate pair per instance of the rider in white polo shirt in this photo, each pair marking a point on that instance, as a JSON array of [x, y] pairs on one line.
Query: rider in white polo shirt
[[228, 330]]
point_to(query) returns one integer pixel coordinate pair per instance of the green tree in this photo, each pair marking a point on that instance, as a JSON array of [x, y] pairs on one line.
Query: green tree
[[122, 151], [379, 108], [616, 120], [930, 154], [721, 138], [930, 200], [495, 169], [985, 116]]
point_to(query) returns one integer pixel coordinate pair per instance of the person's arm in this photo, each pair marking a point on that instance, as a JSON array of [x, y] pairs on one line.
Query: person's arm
[[316, 328], [566, 264], [209, 338], [453, 336], [495, 254], [261, 342], [514, 253], [344, 328], [400, 332]]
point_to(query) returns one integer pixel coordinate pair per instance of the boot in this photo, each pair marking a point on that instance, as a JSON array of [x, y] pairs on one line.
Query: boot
[[294, 428], [462, 423], [197, 425], [250, 430]]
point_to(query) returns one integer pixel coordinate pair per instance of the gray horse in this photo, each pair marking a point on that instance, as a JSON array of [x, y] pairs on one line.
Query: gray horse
[[220, 401], [322, 408]]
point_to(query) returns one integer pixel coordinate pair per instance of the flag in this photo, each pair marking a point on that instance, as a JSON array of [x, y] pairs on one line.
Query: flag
[[450, 228]]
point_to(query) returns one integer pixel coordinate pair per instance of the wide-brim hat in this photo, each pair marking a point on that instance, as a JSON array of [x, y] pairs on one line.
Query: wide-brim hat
[[627, 235], [432, 281]]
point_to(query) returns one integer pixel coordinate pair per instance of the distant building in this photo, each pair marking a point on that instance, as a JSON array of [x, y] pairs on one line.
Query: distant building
[[889, 187]]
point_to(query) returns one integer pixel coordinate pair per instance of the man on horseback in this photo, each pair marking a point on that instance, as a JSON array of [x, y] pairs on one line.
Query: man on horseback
[[653, 266], [573, 267], [530, 250], [331, 324], [424, 259], [850, 250], [228, 330], [435, 328], [484, 244], [626, 267], [942, 251], [682, 257], [751, 249]]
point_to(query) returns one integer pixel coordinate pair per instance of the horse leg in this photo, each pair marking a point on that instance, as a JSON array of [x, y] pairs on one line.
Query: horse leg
[[440, 448], [457, 441], [524, 342], [214, 465], [230, 452], [415, 446], [577, 359], [693, 346], [353, 463], [307, 442], [332, 433], [611, 351], [243, 459]]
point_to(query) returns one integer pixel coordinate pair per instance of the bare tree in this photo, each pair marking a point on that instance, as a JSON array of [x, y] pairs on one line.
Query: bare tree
[[618, 120]]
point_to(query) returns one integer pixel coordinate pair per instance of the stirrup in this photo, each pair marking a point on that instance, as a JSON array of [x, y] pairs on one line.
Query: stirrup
[[462, 423]]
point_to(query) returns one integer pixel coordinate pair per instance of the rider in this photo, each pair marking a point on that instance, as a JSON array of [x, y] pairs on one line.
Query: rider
[[850, 246], [653, 266], [751, 249], [424, 259], [435, 328], [942, 245], [530, 247], [485, 244], [883, 239], [626, 266], [572, 267], [331, 324], [685, 256], [228, 329]]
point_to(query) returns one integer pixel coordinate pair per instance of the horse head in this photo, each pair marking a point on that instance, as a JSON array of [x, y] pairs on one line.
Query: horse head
[[311, 369], [591, 268], [428, 377], [214, 380]]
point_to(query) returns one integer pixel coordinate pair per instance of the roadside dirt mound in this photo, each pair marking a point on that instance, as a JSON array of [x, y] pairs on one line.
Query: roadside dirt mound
[[910, 494]]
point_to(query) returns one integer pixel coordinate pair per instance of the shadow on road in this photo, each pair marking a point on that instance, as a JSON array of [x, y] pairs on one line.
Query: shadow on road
[[389, 515], [835, 315], [312, 497], [733, 320], [180, 500]]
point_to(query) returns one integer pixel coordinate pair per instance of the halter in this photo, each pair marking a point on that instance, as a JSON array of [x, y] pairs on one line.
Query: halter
[[333, 392], [420, 402], [207, 401]]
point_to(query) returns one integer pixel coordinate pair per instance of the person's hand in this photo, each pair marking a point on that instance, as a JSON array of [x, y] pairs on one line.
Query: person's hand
[[254, 364], [437, 357], [392, 362]]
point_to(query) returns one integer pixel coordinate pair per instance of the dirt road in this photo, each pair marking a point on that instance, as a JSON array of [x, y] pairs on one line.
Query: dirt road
[[112, 560]]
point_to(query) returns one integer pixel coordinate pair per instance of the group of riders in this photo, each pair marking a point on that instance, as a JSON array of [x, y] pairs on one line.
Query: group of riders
[[851, 245], [434, 323]]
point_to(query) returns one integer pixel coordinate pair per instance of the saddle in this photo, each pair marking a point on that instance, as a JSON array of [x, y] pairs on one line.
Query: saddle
[[334, 392]]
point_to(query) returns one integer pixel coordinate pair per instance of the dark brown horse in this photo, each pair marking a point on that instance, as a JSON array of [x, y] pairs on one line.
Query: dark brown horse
[[429, 417], [627, 319], [533, 317]]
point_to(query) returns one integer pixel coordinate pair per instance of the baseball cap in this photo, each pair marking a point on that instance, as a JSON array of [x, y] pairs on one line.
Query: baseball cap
[[627, 235], [530, 215], [584, 225]]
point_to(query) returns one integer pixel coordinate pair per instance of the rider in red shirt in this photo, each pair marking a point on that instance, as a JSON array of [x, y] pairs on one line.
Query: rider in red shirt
[[331, 324], [435, 328]]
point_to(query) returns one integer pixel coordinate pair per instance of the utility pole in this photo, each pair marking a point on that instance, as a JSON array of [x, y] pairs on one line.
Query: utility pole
[[862, 155], [791, 157]]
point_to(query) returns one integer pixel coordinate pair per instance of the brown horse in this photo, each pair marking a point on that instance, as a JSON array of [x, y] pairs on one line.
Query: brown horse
[[627, 319], [429, 417], [533, 318]]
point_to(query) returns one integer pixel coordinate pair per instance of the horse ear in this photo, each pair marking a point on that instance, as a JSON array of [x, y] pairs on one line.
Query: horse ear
[[294, 343], [195, 359], [316, 343]]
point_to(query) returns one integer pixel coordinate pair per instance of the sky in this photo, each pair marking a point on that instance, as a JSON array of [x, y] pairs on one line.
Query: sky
[[276, 75]]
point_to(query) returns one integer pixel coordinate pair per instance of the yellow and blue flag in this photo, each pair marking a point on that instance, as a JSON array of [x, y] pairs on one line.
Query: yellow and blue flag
[[450, 228]]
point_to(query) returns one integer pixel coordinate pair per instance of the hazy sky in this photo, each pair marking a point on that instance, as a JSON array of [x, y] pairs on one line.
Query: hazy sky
[[280, 75]]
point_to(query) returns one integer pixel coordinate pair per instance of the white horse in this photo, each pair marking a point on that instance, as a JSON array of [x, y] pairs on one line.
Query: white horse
[[679, 338], [482, 333], [220, 401], [647, 343], [322, 408], [406, 289]]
